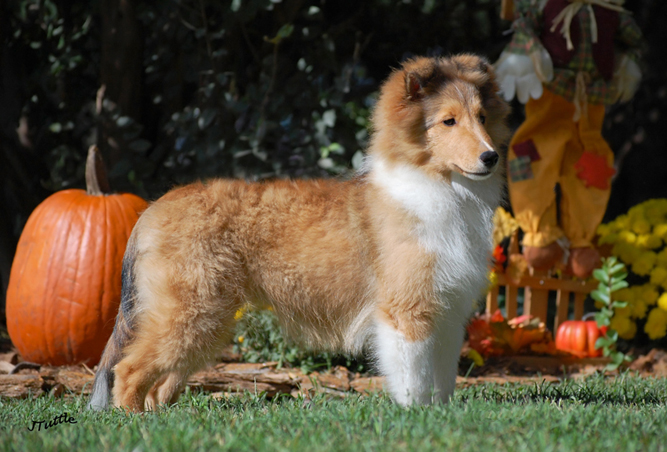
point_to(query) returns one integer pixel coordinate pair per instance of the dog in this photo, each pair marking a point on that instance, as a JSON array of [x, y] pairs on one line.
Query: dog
[[392, 259]]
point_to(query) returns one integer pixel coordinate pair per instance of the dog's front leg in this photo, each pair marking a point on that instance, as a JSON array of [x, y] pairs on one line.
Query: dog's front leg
[[406, 364], [446, 351], [448, 340]]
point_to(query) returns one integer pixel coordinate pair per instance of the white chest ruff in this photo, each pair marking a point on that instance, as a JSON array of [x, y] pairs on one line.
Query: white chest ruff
[[454, 223]]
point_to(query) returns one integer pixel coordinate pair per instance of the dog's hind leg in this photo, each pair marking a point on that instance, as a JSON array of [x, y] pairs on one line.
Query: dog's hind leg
[[165, 354], [161, 365], [167, 390]]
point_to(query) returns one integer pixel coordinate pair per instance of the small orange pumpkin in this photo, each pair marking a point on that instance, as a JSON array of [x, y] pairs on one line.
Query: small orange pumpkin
[[578, 337], [65, 282]]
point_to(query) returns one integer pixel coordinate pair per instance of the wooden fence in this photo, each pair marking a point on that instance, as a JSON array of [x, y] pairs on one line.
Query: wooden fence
[[536, 296]]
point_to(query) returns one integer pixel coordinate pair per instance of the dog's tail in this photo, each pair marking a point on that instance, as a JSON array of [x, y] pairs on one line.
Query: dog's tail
[[121, 336]]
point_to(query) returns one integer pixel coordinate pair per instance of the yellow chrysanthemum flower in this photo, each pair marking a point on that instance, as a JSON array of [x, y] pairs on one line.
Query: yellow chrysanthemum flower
[[627, 237], [660, 230], [608, 239], [604, 229], [643, 265], [656, 211], [662, 301], [627, 252], [656, 324], [658, 275], [649, 241], [622, 222], [638, 309], [662, 258], [648, 293], [626, 294], [625, 327], [626, 311], [239, 313], [641, 226]]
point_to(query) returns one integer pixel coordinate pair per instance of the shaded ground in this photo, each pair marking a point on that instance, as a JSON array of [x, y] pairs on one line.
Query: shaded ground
[[19, 379]]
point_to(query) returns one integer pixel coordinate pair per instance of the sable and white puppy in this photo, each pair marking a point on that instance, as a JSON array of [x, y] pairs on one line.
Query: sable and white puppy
[[393, 258]]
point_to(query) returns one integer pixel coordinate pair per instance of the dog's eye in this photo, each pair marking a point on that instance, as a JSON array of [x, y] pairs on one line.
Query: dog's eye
[[450, 122], [482, 119]]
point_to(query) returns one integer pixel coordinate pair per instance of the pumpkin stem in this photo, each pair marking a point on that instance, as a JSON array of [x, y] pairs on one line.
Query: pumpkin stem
[[97, 183]]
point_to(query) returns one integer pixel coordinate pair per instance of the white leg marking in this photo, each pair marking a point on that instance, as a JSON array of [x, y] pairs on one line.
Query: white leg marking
[[446, 352], [407, 366]]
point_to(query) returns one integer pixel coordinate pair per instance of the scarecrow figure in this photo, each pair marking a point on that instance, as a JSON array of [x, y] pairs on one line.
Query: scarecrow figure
[[568, 59]]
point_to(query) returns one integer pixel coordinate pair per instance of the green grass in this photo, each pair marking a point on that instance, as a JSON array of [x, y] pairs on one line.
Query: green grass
[[624, 414]]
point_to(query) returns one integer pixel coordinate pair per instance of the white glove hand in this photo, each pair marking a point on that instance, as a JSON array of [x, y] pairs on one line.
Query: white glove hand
[[627, 76], [544, 65], [517, 75]]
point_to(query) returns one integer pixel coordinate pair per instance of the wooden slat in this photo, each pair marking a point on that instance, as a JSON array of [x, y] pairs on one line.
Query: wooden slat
[[579, 299], [511, 301], [562, 305], [536, 299], [492, 300]]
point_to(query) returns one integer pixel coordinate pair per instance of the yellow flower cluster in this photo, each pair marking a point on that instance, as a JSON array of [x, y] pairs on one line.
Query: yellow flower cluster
[[504, 225], [638, 239]]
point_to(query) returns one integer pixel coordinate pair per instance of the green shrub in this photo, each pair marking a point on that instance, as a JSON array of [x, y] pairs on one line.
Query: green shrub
[[259, 338]]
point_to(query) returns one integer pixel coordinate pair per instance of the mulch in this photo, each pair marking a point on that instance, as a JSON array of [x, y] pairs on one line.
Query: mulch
[[19, 379]]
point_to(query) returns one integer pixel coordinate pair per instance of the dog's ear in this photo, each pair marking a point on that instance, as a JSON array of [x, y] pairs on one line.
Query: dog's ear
[[483, 65], [414, 86]]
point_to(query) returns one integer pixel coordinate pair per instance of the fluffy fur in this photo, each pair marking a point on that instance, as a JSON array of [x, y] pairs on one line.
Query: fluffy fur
[[392, 259]]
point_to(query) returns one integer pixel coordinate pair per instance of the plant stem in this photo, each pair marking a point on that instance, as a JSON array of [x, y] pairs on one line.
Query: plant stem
[[97, 183]]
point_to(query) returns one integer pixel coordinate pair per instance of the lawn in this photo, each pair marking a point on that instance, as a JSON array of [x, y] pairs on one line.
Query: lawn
[[625, 413]]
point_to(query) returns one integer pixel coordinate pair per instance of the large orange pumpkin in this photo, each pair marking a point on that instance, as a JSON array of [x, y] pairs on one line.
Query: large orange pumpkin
[[578, 337], [65, 282]]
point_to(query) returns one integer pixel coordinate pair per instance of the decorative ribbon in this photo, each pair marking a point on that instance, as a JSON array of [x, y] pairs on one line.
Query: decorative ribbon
[[570, 11]]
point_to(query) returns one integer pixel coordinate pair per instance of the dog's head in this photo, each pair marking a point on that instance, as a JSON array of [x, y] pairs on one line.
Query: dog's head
[[443, 115]]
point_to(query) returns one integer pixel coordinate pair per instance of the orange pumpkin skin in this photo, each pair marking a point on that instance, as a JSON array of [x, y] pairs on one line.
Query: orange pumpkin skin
[[578, 337], [65, 282]]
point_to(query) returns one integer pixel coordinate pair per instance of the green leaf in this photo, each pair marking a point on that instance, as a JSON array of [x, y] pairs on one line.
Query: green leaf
[[601, 275], [607, 312], [603, 320], [617, 358], [285, 31], [612, 334], [602, 342], [619, 285], [619, 304], [616, 268], [600, 296], [620, 277]]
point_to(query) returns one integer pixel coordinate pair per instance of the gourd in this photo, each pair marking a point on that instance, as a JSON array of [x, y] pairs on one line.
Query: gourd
[[578, 338], [65, 282]]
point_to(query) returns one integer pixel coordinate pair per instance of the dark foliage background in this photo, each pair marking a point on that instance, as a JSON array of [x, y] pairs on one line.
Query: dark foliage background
[[176, 90]]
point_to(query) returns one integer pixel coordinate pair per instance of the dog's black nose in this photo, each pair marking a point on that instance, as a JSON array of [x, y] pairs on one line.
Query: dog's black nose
[[489, 158]]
